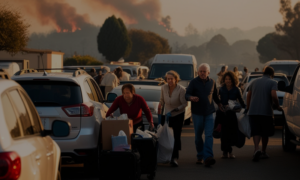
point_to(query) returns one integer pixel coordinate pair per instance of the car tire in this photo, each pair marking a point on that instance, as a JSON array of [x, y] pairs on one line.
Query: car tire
[[287, 136], [58, 177], [91, 164]]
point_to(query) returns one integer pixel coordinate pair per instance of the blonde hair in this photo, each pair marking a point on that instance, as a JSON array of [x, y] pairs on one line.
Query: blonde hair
[[173, 73]]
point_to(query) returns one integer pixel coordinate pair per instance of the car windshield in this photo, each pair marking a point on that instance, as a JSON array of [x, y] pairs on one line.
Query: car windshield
[[52, 93], [285, 69], [185, 71], [276, 78], [147, 94]]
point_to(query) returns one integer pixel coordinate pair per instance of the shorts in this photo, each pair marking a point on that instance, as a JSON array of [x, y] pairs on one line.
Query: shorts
[[262, 125]]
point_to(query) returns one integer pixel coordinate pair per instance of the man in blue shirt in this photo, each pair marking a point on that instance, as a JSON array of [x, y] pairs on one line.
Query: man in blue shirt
[[202, 92]]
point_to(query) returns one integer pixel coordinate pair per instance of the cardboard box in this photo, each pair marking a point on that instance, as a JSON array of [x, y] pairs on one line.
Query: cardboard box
[[113, 127]]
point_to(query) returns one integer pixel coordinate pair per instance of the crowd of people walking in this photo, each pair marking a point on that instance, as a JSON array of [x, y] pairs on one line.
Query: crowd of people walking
[[204, 93]]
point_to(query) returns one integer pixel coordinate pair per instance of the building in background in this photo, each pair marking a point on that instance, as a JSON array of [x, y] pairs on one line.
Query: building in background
[[34, 58]]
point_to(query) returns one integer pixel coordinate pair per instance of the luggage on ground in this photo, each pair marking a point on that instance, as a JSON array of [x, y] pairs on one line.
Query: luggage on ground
[[120, 165], [147, 148]]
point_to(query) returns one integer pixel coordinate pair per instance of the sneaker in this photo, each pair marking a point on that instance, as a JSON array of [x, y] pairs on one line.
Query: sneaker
[[199, 161], [224, 156], [256, 156], [264, 155], [231, 156], [209, 161], [174, 163]]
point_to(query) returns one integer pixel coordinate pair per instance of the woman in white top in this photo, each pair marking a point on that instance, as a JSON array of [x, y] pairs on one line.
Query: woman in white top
[[173, 98]]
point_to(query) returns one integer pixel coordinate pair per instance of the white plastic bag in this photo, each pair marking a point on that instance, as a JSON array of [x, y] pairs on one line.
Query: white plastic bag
[[143, 134], [123, 117], [165, 143], [244, 125]]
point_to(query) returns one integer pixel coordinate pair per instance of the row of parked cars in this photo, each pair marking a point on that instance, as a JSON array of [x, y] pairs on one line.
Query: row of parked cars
[[47, 119]]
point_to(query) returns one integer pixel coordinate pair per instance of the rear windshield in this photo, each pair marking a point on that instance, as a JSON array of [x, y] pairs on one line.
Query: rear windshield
[[52, 93], [147, 94], [285, 69], [185, 71]]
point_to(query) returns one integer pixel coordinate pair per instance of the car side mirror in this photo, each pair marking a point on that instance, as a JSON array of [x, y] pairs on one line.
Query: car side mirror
[[281, 86], [61, 128], [111, 97]]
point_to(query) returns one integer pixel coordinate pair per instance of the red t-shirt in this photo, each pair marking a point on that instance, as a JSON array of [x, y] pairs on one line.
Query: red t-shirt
[[133, 111]]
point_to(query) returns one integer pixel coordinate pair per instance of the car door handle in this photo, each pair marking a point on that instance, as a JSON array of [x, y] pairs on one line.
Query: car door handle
[[38, 157], [49, 154]]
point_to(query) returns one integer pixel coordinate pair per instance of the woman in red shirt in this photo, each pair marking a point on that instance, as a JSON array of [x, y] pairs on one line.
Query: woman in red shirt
[[131, 104]]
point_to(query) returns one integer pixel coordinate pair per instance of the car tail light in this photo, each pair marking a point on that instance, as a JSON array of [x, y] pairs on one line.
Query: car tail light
[[78, 110], [10, 166]]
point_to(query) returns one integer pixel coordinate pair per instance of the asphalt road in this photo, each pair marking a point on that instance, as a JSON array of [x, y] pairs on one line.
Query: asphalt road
[[281, 165]]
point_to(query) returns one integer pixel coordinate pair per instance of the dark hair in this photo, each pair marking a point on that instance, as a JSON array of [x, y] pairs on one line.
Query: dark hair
[[269, 71], [233, 77], [245, 69], [93, 70], [118, 72], [130, 87]]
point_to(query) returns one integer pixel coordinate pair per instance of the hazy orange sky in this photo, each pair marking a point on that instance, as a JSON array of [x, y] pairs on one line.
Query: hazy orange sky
[[203, 14]]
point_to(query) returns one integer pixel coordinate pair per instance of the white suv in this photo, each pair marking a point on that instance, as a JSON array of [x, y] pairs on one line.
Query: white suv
[[26, 152], [291, 111], [75, 98]]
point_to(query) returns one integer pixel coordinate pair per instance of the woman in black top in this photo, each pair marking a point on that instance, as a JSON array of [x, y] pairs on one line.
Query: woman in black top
[[227, 120]]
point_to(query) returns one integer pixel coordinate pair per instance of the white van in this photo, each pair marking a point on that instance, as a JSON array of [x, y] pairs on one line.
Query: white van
[[284, 66], [184, 64]]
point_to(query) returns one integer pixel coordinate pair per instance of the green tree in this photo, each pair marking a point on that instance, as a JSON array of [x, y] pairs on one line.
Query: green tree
[[220, 51], [268, 50], [81, 60], [113, 40], [288, 38], [146, 44], [13, 30]]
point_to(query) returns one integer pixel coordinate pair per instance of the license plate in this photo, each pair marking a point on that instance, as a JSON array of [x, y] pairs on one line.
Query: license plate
[[46, 123]]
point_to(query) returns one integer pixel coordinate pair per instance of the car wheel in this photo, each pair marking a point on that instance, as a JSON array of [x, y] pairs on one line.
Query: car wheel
[[287, 136], [91, 164], [187, 122], [58, 177]]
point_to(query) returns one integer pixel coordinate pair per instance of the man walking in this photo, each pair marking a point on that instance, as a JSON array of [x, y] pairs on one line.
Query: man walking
[[261, 98], [201, 92]]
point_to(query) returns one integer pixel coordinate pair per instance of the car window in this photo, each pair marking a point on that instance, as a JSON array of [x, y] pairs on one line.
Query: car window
[[88, 90], [22, 112], [34, 115], [297, 81], [127, 70], [97, 90], [285, 69], [52, 93], [184, 70], [95, 95], [147, 94], [10, 117]]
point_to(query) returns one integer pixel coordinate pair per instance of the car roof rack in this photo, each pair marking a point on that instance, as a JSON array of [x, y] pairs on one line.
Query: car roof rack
[[79, 72], [25, 71], [4, 74]]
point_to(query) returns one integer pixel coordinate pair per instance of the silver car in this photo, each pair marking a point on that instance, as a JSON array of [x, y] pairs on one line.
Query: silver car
[[74, 98]]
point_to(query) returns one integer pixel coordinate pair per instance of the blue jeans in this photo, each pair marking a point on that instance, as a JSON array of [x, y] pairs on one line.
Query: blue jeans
[[206, 124]]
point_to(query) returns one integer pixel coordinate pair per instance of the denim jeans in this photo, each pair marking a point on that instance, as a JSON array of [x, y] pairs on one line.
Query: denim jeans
[[206, 124]]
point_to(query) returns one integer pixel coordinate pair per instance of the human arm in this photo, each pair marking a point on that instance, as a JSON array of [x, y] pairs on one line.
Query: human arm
[[275, 100], [189, 93], [182, 100], [162, 99], [113, 107], [147, 111], [216, 98], [241, 100]]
